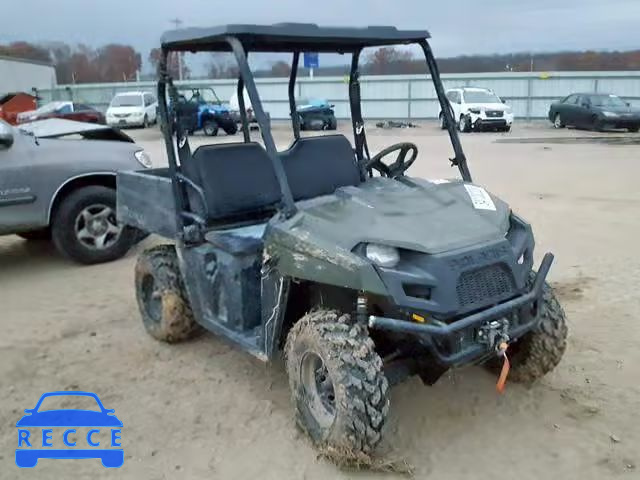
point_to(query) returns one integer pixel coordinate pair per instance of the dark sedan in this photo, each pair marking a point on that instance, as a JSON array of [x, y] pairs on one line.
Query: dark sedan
[[597, 111], [65, 110]]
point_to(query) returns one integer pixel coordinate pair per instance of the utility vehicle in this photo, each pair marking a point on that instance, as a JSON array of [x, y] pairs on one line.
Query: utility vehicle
[[362, 274], [201, 109]]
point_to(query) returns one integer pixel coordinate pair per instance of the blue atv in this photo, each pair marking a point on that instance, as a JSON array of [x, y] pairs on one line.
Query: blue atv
[[201, 109]]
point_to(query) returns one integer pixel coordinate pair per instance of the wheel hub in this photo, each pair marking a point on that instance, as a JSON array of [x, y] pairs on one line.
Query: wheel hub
[[319, 388], [96, 227]]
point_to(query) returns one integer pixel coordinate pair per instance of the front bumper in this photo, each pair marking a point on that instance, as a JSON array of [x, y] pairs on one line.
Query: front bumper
[[620, 122], [125, 122], [449, 342], [483, 120]]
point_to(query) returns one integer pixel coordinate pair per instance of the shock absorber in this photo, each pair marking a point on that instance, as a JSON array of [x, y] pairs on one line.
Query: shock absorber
[[362, 309]]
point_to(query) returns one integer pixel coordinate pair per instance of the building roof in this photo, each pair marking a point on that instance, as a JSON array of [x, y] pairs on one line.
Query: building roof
[[287, 37]]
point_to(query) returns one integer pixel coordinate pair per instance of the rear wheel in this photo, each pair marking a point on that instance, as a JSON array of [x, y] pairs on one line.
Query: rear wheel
[[162, 297], [333, 123], [230, 128], [338, 387], [85, 228], [557, 121], [210, 128], [442, 122]]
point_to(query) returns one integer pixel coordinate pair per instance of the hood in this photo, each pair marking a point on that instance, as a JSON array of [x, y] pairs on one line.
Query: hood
[[428, 217], [314, 105], [125, 110], [620, 109], [57, 127], [210, 107], [489, 106]]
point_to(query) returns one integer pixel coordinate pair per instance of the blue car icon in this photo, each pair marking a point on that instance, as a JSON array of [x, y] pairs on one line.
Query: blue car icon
[[28, 453]]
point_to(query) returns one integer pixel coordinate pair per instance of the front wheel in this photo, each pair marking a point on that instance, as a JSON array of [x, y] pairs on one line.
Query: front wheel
[[540, 351], [85, 229], [464, 125], [145, 122], [442, 121], [337, 384]]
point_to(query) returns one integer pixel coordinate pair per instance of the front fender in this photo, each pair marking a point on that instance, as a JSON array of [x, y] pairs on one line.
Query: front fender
[[302, 259]]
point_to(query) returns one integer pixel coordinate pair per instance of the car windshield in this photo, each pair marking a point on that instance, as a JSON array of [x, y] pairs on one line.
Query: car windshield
[[480, 96], [66, 402], [127, 101], [204, 95], [607, 101]]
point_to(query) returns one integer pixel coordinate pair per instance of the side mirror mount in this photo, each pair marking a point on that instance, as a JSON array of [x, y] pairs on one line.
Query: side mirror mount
[[504, 100], [6, 135], [586, 105]]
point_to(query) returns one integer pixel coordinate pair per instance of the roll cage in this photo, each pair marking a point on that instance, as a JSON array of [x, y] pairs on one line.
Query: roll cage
[[240, 40]]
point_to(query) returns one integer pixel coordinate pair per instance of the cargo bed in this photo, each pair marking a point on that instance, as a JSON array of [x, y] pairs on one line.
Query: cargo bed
[[145, 201]]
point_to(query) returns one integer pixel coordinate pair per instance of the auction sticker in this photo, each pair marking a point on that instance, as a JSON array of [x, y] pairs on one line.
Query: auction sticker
[[480, 199]]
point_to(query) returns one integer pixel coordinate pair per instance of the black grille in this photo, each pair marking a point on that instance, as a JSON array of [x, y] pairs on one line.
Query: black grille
[[484, 286], [493, 113]]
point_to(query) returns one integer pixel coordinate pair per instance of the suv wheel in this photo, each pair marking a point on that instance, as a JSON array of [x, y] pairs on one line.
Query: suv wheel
[[85, 229], [338, 387], [463, 124], [145, 122], [443, 124], [162, 297]]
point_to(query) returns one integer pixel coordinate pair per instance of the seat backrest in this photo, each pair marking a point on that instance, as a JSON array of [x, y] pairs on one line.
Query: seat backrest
[[319, 165], [238, 181]]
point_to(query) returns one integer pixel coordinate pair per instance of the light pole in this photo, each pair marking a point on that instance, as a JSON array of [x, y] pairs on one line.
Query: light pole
[[177, 22]]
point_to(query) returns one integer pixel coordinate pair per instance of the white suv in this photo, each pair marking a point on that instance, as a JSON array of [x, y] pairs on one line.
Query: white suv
[[478, 109], [132, 109]]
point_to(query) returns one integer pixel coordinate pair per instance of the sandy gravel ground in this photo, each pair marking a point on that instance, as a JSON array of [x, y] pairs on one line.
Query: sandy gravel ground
[[203, 410]]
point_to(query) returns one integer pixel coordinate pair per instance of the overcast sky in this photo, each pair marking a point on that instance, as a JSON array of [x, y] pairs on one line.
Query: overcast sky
[[458, 27]]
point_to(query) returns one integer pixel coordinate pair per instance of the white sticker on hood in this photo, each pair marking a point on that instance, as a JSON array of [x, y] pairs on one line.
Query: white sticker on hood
[[480, 198], [438, 181]]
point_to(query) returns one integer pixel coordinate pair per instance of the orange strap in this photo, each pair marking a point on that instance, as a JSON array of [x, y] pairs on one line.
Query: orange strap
[[504, 373]]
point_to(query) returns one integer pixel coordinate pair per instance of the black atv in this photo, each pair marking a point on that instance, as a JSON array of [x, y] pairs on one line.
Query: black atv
[[359, 273]]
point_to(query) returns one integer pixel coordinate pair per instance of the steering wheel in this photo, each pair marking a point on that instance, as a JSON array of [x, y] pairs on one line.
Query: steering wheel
[[401, 163]]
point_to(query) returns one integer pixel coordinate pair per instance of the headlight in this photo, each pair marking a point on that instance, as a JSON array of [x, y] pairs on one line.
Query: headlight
[[382, 255], [144, 158], [475, 110], [609, 114]]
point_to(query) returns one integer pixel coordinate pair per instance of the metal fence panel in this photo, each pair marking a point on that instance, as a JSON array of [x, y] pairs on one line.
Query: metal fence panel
[[392, 96]]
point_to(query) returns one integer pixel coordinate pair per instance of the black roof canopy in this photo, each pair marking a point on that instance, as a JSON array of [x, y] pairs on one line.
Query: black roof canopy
[[287, 37]]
